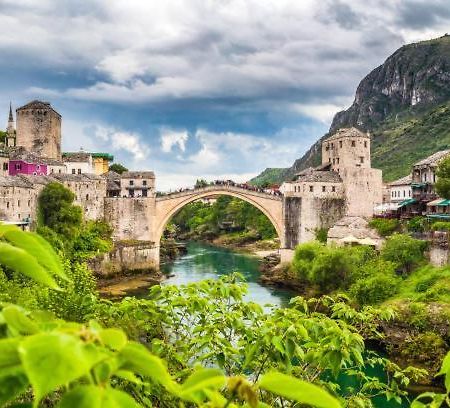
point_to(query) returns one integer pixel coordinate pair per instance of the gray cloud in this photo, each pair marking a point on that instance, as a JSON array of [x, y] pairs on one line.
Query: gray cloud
[[417, 14]]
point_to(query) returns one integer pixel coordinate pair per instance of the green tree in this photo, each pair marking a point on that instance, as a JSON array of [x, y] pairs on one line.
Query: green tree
[[384, 226], [118, 168], [404, 251], [442, 185], [57, 211]]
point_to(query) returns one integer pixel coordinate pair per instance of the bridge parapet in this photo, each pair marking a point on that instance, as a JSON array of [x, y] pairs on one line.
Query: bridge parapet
[[217, 188]]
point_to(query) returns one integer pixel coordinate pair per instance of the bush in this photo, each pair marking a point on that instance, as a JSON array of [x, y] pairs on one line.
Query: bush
[[321, 235], [303, 257], [440, 226], [384, 226], [416, 224], [404, 251], [374, 289]]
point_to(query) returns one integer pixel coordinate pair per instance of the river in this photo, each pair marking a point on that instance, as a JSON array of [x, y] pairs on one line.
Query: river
[[204, 261]]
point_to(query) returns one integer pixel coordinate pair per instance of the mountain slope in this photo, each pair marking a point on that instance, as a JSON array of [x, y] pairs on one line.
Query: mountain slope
[[404, 103]]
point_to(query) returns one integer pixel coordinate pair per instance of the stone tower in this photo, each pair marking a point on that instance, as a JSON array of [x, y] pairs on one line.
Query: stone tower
[[10, 130], [347, 152], [39, 129]]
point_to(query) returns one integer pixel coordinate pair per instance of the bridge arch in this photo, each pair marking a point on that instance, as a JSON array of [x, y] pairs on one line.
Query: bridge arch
[[167, 206]]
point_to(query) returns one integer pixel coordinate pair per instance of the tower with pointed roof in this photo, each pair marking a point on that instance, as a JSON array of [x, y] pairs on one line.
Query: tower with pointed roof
[[10, 129]]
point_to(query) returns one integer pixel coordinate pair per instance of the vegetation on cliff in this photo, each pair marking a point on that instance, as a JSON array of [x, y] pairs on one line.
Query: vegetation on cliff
[[404, 103]]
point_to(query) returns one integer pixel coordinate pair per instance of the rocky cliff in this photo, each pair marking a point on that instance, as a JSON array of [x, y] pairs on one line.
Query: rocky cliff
[[395, 102]]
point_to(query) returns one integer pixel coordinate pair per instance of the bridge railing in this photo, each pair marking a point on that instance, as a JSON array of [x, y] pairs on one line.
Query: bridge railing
[[217, 188]]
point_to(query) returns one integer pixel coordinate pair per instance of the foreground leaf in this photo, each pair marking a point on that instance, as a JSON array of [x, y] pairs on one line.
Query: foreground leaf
[[298, 390], [19, 260], [89, 396], [51, 360]]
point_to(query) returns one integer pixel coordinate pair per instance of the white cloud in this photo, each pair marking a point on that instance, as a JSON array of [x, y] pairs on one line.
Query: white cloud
[[119, 140], [171, 138], [323, 112]]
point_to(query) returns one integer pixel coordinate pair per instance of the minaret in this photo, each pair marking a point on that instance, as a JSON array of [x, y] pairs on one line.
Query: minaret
[[10, 131]]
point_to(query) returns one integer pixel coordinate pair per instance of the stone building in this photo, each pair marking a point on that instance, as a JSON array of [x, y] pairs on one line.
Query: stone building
[[100, 162], [347, 152], [345, 174], [137, 184], [39, 129], [78, 162], [18, 199]]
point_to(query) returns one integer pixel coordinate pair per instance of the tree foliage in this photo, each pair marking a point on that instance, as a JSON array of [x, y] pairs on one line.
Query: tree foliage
[[118, 168], [442, 185], [57, 210]]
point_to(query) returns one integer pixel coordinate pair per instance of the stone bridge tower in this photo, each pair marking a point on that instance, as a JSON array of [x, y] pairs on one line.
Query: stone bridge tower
[[39, 129]]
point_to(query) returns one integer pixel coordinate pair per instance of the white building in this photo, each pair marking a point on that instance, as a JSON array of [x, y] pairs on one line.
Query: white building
[[400, 190], [78, 163]]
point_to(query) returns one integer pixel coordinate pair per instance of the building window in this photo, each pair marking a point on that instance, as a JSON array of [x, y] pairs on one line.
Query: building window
[[73, 171], [334, 161], [144, 182], [332, 146], [329, 160], [424, 176], [327, 147], [131, 182], [434, 177], [38, 167], [5, 166], [337, 160], [404, 193], [144, 193], [324, 189], [131, 193], [59, 171], [29, 203], [361, 159], [353, 143], [333, 189], [340, 143], [365, 143], [87, 197], [18, 203], [18, 166], [311, 188], [7, 204], [79, 171], [409, 193]]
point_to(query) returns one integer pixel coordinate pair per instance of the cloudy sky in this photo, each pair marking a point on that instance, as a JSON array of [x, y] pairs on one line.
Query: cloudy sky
[[201, 88]]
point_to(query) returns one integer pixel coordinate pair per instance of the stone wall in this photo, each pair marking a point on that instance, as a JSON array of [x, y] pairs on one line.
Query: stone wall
[[131, 218], [126, 257], [303, 216], [363, 190]]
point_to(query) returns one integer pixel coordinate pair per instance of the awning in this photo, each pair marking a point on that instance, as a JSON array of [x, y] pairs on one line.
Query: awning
[[418, 185], [444, 203], [434, 202], [439, 216], [407, 202]]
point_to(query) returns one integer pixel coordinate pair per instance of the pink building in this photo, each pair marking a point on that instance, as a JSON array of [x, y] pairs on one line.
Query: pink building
[[24, 167]]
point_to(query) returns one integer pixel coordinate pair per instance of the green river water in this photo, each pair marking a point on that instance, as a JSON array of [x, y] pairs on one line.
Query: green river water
[[204, 261]]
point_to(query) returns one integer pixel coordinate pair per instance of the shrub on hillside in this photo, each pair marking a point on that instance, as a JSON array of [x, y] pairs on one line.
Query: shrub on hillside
[[440, 226], [404, 251], [417, 224], [303, 258], [374, 289], [384, 226]]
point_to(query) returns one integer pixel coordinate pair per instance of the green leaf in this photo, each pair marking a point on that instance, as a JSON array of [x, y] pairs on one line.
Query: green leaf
[[11, 387], [90, 396], [9, 354], [22, 262], [51, 360], [37, 247], [113, 338], [18, 321], [203, 378], [135, 357], [298, 390]]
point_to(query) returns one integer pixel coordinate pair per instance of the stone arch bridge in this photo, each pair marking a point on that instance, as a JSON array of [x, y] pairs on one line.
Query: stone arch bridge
[[142, 220]]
